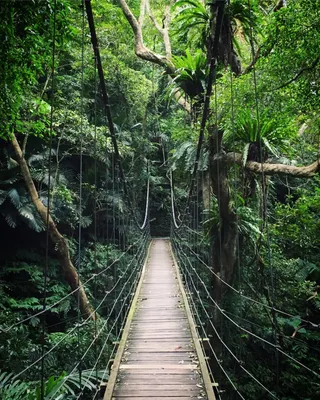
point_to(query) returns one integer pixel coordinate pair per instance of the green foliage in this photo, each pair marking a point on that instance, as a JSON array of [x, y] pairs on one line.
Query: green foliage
[[185, 155], [247, 128], [191, 72], [278, 251], [15, 205], [192, 20], [297, 223], [54, 388], [245, 20], [192, 23], [23, 33]]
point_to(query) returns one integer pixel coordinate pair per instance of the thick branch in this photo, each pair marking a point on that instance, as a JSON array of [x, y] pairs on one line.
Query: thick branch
[[274, 169], [140, 49], [146, 54], [143, 7]]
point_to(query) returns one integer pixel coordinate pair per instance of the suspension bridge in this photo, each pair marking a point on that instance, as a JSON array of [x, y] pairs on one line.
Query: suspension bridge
[[159, 355], [159, 311]]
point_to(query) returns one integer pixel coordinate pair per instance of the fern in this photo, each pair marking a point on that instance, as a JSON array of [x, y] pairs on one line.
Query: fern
[[192, 19], [191, 72], [14, 196], [3, 196], [61, 387], [11, 389], [246, 129], [10, 219]]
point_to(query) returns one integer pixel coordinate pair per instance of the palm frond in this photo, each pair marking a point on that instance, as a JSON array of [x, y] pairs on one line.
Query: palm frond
[[14, 196]]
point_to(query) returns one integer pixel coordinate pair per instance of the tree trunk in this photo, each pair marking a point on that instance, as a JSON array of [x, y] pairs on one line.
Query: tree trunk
[[223, 239], [206, 191], [60, 243]]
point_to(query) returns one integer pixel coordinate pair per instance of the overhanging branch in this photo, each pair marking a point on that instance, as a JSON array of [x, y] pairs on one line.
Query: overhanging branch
[[273, 169], [164, 29]]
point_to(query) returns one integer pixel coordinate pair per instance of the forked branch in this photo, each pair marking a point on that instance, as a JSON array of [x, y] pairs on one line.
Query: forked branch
[[144, 52], [140, 49], [164, 29]]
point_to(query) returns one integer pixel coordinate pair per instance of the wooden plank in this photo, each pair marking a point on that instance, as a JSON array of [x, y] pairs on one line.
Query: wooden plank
[[171, 368], [150, 393], [187, 387], [163, 379], [168, 385], [183, 359], [161, 371], [165, 356], [160, 398], [156, 335]]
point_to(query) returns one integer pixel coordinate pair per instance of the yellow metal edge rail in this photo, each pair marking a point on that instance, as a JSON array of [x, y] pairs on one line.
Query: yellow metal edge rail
[[122, 344], [203, 366]]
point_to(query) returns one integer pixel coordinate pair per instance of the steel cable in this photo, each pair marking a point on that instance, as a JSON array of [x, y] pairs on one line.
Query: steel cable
[[277, 347], [239, 292]]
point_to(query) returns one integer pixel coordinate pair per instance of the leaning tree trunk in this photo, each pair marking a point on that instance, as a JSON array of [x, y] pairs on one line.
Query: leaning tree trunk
[[223, 239], [60, 243]]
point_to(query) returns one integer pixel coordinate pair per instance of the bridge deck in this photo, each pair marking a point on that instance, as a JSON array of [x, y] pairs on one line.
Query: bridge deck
[[159, 355]]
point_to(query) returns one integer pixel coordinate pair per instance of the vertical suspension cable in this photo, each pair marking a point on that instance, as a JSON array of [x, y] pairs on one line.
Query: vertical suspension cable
[[46, 266], [113, 224], [218, 198], [264, 202], [235, 178], [192, 226], [95, 211], [80, 190], [122, 236], [118, 223]]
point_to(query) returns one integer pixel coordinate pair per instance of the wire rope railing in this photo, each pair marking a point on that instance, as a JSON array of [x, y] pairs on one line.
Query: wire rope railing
[[198, 290], [82, 285], [222, 311], [186, 231], [239, 292], [83, 322], [125, 303]]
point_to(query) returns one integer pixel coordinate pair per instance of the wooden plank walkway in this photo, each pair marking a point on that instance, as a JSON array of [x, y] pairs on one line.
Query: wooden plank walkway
[[159, 356]]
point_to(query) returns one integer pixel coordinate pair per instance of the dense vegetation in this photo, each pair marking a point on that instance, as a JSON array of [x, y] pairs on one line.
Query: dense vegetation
[[254, 209]]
